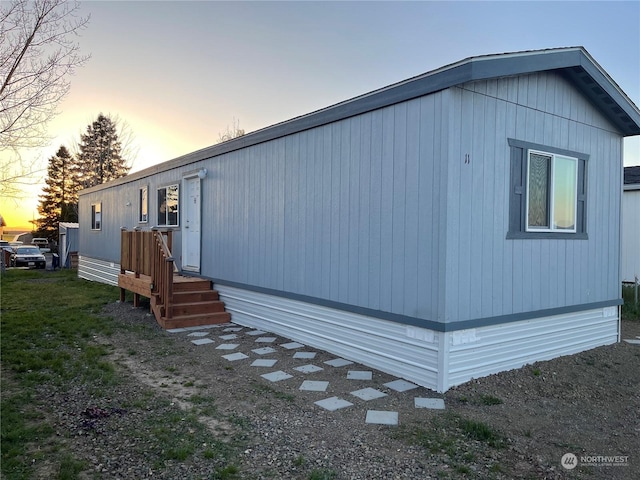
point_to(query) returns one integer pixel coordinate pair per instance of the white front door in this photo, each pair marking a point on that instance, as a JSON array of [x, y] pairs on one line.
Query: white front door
[[191, 225]]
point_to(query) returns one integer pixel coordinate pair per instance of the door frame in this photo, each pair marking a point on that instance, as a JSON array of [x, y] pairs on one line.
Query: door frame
[[185, 221]]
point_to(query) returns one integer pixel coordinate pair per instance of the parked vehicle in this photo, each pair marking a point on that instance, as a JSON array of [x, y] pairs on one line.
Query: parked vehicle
[[5, 252], [42, 244], [28, 256]]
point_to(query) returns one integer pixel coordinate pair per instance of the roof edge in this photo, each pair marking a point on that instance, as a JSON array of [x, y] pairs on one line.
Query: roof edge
[[469, 69]]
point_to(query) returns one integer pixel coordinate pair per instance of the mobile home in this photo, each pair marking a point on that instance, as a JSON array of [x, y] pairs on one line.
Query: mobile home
[[456, 224]]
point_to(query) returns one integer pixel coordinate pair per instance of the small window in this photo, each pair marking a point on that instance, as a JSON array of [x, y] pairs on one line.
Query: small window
[[548, 192], [143, 201], [96, 216], [551, 192], [168, 206]]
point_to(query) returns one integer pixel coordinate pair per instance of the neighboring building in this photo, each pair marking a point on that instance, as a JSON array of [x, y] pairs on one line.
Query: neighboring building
[[67, 243], [456, 224], [631, 225]]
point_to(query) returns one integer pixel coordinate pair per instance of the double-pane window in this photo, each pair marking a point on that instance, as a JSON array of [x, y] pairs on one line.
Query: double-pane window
[[551, 192], [168, 203]]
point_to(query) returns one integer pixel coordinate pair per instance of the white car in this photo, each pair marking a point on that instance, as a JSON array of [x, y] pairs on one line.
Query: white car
[[42, 244]]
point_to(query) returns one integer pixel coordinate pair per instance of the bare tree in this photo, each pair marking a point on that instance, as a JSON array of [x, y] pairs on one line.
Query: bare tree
[[234, 132], [37, 55]]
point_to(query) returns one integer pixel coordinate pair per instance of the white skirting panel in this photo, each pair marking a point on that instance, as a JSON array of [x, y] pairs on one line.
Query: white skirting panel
[[98, 270], [483, 351], [401, 350]]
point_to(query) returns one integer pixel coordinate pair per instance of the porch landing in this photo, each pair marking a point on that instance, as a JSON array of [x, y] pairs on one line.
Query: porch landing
[[194, 301]]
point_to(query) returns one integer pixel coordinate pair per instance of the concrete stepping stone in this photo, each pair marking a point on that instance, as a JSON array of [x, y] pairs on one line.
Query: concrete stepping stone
[[231, 336], [338, 362], [198, 334], [176, 330], [232, 357], [305, 355], [308, 368], [265, 339], [276, 376], [292, 345], [264, 350], [381, 417], [401, 385], [203, 327], [359, 375], [314, 386], [264, 362], [232, 329], [367, 394], [332, 404], [434, 403], [256, 332], [202, 341], [227, 346], [632, 341]]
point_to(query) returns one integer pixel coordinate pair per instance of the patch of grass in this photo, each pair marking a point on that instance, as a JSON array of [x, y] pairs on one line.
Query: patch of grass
[[448, 436], [70, 467], [481, 431], [630, 310], [49, 321], [536, 372], [262, 389], [299, 461], [322, 474], [490, 400], [230, 471]]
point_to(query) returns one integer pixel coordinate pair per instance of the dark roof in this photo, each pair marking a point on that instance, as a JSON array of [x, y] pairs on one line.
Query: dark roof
[[575, 63], [632, 175]]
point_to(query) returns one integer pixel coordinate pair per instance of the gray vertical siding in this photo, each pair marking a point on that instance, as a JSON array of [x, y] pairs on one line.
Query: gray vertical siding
[[488, 275], [348, 212]]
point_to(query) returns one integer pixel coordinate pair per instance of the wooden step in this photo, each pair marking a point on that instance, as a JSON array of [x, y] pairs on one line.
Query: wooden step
[[193, 308], [197, 296], [195, 320], [190, 284]]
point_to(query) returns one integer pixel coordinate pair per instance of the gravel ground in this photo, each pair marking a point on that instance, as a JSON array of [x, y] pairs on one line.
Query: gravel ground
[[182, 411]]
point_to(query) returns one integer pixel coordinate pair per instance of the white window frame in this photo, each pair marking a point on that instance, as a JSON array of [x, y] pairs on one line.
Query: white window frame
[[143, 204], [166, 216], [96, 216], [551, 193]]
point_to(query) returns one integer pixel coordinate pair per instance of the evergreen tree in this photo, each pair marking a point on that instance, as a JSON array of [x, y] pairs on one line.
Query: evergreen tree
[[100, 154], [59, 200]]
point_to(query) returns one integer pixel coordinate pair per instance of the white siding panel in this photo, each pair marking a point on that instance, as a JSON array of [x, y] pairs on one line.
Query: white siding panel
[[512, 345], [630, 235], [98, 270], [407, 352]]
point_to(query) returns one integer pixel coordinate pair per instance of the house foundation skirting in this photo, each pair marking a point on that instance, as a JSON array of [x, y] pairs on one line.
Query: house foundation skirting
[[436, 360]]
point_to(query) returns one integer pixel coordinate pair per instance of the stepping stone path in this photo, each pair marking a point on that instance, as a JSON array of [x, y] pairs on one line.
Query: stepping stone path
[[207, 334]]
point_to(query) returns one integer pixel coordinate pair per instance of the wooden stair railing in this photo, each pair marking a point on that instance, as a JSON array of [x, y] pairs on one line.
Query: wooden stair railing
[[162, 267], [149, 253]]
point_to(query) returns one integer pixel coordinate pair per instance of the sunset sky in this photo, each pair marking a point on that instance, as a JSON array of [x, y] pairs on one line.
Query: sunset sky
[[179, 73]]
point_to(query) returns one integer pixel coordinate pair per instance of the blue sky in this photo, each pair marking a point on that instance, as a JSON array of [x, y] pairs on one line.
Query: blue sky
[[180, 72]]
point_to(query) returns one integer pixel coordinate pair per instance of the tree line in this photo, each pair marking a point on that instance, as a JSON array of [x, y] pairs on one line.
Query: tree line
[[99, 159]]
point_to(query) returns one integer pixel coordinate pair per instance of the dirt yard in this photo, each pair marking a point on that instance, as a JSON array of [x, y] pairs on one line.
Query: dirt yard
[[516, 424]]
